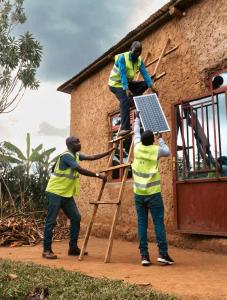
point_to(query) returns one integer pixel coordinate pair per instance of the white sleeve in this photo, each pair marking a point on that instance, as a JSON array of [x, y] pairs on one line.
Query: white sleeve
[[136, 131], [163, 149]]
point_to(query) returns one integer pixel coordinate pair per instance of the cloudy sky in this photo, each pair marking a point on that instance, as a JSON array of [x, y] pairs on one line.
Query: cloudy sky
[[73, 33]]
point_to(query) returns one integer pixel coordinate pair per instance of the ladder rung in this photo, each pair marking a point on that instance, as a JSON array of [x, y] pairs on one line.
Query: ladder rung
[[103, 202], [116, 167], [121, 137], [160, 76]]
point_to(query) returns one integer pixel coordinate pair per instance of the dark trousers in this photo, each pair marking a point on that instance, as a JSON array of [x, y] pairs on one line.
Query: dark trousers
[[70, 209], [154, 204], [137, 88]]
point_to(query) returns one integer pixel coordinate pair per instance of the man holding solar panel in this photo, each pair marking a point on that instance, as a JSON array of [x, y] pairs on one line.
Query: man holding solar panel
[[147, 190], [122, 83]]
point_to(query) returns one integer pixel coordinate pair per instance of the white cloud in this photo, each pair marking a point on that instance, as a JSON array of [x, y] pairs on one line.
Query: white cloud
[[44, 105], [142, 10]]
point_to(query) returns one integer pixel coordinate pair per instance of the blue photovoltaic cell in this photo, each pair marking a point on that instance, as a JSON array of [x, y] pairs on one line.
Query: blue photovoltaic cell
[[151, 113]]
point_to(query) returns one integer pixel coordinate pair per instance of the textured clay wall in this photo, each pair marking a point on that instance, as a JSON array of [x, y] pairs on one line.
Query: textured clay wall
[[201, 37]]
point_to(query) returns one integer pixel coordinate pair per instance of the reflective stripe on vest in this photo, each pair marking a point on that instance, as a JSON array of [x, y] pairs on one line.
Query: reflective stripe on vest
[[65, 183], [131, 69], [145, 170]]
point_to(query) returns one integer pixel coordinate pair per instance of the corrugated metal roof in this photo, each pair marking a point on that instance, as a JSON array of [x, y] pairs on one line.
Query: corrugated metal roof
[[152, 23]]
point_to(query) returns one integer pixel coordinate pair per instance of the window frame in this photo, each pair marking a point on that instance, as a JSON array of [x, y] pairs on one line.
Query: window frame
[[212, 94]]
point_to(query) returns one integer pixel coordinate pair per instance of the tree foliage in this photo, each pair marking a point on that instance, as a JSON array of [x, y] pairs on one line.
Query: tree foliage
[[24, 176], [19, 56]]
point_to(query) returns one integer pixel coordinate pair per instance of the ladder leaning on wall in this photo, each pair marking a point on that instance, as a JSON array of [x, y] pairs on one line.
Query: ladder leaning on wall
[[126, 166], [116, 203]]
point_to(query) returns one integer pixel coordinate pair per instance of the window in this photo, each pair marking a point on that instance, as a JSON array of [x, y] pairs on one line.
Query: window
[[121, 153], [201, 127]]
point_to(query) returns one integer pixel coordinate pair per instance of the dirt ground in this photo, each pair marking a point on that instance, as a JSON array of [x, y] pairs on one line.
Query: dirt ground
[[196, 275]]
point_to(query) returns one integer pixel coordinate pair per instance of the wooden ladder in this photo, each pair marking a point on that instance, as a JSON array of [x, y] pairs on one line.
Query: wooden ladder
[[116, 203]]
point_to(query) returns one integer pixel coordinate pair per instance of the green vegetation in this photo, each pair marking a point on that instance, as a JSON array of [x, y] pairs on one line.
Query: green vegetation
[[19, 56], [24, 176], [60, 284]]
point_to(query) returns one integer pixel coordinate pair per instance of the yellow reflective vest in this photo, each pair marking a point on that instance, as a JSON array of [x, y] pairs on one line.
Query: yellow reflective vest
[[131, 69], [145, 170], [65, 183]]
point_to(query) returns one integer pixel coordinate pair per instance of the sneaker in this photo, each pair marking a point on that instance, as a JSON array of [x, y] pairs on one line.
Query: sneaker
[[75, 251], [49, 254], [165, 259], [145, 261], [123, 132]]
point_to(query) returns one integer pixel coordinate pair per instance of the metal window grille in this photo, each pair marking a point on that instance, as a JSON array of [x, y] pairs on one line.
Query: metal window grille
[[201, 126]]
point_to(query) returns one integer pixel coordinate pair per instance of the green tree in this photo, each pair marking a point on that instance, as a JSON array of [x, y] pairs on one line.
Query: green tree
[[19, 57], [25, 175]]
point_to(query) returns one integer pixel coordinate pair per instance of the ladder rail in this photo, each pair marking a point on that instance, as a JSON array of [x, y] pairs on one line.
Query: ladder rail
[[95, 208], [117, 211], [117, 203]]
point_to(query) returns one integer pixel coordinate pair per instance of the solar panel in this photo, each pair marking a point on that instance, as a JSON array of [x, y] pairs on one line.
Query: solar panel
[[151, 113]]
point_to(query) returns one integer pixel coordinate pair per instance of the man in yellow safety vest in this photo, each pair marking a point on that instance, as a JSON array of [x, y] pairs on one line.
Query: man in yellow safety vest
[[64, 183], [147, 191], [122, 84]]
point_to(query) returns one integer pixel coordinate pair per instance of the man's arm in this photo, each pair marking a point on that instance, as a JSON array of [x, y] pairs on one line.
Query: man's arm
[[163, 148], [96, 156], [145, 75], [69, 161], [122, 68], [137, 130], [88, 173]]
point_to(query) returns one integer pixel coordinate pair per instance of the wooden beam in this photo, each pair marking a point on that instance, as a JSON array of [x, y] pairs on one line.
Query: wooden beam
[[160, 58], [159, 76], [116, 167], [116, 140], [156, 59], [103, 202], [175, 12]]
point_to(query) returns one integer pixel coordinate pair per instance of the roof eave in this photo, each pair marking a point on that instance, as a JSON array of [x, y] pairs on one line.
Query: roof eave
[[153, 22]]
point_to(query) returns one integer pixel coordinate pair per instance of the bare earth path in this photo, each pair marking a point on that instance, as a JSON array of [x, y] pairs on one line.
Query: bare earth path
[[196, 275]]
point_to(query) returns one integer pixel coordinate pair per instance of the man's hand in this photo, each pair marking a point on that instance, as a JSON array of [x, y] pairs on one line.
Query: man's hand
[[149, 90], [137, 113], [129, 93], [158, 135], [103, 177]]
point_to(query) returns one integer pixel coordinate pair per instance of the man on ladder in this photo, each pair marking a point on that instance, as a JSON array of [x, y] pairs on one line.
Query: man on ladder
[[147, 191], [122, 84]]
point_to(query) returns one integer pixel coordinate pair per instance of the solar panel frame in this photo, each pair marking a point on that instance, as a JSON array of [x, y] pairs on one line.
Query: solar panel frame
[[160, 109]]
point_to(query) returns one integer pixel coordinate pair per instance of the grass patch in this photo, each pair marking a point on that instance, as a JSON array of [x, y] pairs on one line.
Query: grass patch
[[61, 284]]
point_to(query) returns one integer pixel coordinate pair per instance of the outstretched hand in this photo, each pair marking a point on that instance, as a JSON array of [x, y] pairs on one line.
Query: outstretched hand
[[158, 135], [137, 113]]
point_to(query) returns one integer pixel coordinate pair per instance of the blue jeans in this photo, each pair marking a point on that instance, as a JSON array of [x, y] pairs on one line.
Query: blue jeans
[[70, 209], [137, 88], [154, 204]]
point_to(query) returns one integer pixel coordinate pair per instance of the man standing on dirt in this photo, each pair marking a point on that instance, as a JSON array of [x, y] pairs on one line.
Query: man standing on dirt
[[62, 186], [147, 191], [122, 83]]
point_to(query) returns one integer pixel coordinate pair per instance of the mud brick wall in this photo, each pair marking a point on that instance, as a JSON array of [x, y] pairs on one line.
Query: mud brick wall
[[201, 36]]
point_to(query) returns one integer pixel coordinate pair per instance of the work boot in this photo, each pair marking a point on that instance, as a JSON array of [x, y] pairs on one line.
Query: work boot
[[49, 254], [75, 251], [123, 132], [165, 259], [145, 260]]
